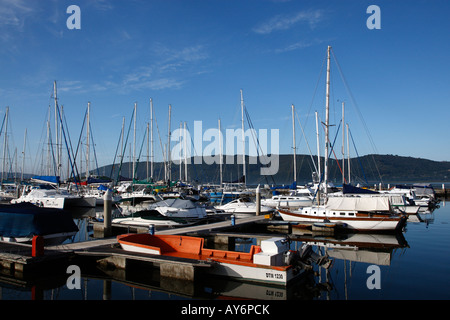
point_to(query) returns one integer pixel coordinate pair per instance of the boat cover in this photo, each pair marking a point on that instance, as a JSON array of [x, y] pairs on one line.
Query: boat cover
[[26, 219], [365, 204], [348, 188], [47, 179], [176, 203]]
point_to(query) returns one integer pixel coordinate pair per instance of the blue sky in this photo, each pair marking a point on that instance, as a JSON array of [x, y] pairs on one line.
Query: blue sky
[[198, 55]]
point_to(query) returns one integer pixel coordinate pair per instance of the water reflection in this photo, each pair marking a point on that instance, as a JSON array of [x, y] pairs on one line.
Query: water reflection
[[138, 283]]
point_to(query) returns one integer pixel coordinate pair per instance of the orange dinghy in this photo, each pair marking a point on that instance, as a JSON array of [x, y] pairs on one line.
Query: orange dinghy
[[271, 262]]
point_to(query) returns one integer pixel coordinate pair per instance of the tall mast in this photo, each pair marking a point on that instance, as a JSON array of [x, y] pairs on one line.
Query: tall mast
[[148, 148], [348, 156], [5, 141], [327, 120], [185, 153], [220, 154], [151, 138], [87, 140], [169, 168], [58, 160], [23, 154], [179, 140], [343, 145], [243, 139], [293, 142], [134, 142], [318, 146]]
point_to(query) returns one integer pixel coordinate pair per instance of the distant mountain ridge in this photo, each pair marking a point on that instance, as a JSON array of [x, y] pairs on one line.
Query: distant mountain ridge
[[365, 169]]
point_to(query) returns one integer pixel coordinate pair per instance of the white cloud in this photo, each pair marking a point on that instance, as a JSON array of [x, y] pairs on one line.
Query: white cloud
[[299, 45], [14, 12], [285, 22]]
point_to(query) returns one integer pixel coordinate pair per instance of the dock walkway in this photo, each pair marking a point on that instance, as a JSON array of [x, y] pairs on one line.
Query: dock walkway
[[18, 257]]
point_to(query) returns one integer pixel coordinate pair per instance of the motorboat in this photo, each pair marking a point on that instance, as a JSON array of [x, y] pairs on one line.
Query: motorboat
[[271, 262], [243, 207], [50, 197], [21, 222], [291, 201], [151, 217], [179, 208]]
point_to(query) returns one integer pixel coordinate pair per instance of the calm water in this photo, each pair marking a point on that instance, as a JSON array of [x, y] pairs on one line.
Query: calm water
[[414, 265]]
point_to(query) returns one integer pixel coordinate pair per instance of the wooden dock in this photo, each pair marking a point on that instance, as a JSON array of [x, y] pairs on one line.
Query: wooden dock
[[17, 258]]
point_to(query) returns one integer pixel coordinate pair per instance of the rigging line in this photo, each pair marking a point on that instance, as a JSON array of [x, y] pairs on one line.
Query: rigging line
[[355, 105], [125, 147], [70, 143], [257, 144], [139, 156], [79, 139], [65, 140], [115, 155], [317, 84], [359, 158], [195, 152], [306, 140], [93, 147]]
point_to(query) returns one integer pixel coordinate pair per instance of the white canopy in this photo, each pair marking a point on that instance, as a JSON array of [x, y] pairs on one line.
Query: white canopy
[[358, 203]]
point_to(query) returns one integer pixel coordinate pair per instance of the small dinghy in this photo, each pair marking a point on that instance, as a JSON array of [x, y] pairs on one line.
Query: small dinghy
[[271, 262]]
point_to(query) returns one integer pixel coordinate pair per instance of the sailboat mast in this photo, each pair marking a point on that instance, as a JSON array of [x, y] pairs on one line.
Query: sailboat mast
[[148, 148], [87, 140], [343, 144], [134, 142], [179, 140], [23, 154], [294, 144], [318, 146], [185, 153], [169, 167], [220, 155], [243, 139], [58, 160], [151, 138], [327, 120], [5, 143], [348, 155]]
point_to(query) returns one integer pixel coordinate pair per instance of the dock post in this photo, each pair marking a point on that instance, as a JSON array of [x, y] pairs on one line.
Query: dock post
[[37, 248], [107, 208], [258, 201]]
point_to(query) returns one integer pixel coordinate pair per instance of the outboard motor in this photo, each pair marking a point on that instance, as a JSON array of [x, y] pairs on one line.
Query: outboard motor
[[308, 256]]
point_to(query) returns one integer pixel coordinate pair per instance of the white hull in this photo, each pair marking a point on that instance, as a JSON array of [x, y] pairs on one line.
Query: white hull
[[191, 213], [137, 221], [350, 220], [49, 239], [287, 204], [243, 208], [252, 273], [57, 203]]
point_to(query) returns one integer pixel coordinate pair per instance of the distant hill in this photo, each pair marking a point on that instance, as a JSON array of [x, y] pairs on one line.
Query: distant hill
[[369, 168]]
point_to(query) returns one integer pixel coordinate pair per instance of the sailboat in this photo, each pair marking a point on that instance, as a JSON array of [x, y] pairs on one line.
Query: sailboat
[[352, 212]]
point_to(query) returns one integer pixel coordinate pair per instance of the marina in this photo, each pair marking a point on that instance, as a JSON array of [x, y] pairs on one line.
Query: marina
[[68, 233], [102, 259]]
